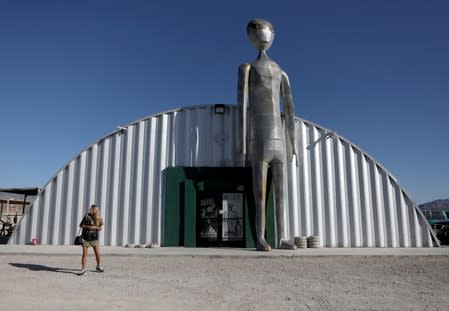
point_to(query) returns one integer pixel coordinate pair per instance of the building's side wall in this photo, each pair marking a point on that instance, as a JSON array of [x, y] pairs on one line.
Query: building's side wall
[[344, 196], [337, 191]]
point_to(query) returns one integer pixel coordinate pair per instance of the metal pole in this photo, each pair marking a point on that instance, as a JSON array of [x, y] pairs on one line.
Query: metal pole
[[23, 206]]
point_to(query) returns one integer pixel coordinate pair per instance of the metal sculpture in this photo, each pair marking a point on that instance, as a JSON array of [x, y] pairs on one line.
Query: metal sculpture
[[261, 86]]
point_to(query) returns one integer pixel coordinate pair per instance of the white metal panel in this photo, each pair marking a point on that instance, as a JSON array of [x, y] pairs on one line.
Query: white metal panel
[[56, 212], [294, 202], [128, 184], [81, 189], [151, 173], [158, 178], [342, 220], [318, 185], [68, 210], [105, 183], [305, 181], [44, 219], [367, 204], [337, 191], [330, 195], [116, 182]]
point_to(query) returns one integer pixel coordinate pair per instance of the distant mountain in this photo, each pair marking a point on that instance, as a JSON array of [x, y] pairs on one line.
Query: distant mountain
[[435, 205]]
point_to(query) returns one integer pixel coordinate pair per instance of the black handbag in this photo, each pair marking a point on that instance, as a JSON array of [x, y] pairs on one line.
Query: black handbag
[[78, 238]]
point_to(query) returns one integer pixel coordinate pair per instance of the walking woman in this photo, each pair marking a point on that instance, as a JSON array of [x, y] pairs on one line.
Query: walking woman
[[91, 225]]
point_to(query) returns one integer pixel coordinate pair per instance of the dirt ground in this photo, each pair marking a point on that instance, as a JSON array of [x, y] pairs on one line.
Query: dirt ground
[[44, 282]]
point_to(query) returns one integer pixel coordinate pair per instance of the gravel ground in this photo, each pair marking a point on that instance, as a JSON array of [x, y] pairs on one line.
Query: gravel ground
[[51, 282]]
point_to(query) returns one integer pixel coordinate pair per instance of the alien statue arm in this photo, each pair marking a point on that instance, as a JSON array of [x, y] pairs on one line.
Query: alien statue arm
[[289, 116], [242, 101]]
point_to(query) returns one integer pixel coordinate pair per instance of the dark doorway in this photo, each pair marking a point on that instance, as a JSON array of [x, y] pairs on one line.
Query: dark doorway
[[212, 207]]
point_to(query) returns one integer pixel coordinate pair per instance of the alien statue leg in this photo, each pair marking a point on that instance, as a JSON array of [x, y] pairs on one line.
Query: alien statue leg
[[278, 178], [259, 173]]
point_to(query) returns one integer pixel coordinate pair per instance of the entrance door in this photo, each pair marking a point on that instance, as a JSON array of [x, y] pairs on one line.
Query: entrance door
[[220, 219]]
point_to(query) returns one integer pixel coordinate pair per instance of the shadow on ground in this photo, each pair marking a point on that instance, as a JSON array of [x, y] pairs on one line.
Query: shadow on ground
[[34, 267]]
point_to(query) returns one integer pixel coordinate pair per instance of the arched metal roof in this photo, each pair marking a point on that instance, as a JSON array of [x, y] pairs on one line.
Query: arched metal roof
[[337, 192]]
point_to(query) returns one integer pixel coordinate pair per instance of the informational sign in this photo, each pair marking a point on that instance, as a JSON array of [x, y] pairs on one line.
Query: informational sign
[[232, 225]]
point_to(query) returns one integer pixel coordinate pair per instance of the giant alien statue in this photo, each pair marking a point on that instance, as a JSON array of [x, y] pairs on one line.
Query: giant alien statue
[[261, 86]]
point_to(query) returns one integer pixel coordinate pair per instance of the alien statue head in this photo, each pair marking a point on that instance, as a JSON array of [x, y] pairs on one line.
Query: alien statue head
[[261, 34]]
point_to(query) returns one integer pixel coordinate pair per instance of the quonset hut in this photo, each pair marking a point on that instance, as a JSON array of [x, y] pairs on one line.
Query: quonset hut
[[152, 177]]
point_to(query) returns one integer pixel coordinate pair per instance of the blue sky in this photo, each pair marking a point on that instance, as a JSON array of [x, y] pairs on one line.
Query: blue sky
[[376, 72]]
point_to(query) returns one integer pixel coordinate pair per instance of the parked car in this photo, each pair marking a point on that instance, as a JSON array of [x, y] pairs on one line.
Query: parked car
[[439, 221]]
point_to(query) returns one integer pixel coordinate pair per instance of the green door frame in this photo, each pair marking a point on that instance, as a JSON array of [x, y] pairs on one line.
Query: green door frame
[[180, 193]]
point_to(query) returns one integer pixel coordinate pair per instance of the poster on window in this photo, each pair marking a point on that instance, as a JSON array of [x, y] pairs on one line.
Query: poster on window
[[232, 216], [208, 219]]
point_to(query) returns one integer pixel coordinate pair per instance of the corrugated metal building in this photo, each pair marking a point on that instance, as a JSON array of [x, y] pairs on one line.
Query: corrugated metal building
[[337, 192]]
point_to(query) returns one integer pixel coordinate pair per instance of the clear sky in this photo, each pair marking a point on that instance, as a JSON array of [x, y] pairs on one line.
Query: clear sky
[[376, 72]]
